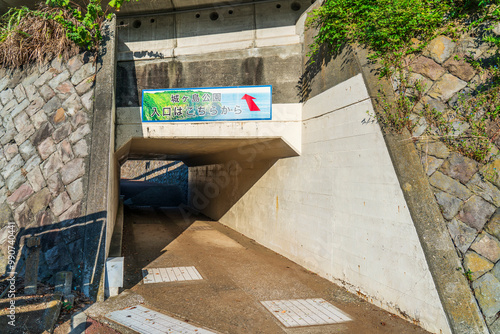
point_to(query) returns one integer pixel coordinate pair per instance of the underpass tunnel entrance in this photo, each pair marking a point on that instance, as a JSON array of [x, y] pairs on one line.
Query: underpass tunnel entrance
[[168, 186], [162, 183]]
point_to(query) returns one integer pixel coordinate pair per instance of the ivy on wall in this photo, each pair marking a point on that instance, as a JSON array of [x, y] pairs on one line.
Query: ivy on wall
[[396, 32]]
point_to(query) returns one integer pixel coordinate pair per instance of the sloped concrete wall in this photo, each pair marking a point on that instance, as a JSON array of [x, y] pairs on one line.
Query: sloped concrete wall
[[338, 209]]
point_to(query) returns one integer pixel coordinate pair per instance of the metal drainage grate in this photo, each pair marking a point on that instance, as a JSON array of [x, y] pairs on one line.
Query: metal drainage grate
[[146, 321], [159, 275], [305, 312]]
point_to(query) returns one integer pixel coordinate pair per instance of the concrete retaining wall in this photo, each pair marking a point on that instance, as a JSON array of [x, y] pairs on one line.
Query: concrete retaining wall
[[338, 209]]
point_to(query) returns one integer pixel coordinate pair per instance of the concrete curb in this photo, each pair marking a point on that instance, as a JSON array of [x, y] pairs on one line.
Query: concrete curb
[[52, 312], [453, 289], [102, 143]]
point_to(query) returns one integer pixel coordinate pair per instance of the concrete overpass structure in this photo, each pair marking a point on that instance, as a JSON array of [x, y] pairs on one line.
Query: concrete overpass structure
[[315, 184]]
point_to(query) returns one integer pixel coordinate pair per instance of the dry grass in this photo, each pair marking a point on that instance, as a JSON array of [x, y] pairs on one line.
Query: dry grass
[[34, 39]]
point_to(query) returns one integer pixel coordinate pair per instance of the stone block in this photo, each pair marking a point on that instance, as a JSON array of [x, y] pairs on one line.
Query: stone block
[[440, 49], [79, 118], [60, 78], [74, 64], [44, 132], [15, 180], [58, 64], [73, 212], [85, 85], [38, 119], [66, 151], [52, 105], [20, 107], [46, 92], [487, 246], [7, 96], [84, 72], [42, 79], [459, 167], [13, 165], [46, 148], [79, 133], [5, 215], [21, 137], [449, 205], [59, 116], [425, 83], [31, 93], [419, 125], [32, 162], [35, 178], [7, 136], [493, 226], [52, 165], [460, 68], [475, 212], [20, 93], [487, 292], [35, 106], [446, 87], [26, 150], [31, 274], [462, 235], [39, 201], [75, 190], [434, 104], [65, 89], [485, 189], [10, 151], [491, 172], [20, 195], [7, 109], [62, 132], [449, 185], [73, 170], [55, 184], [61, 203], [23, 216], [427, 67], [80, 149], [436, 149], [44, 218], [64, 282], [73, 104], [477, 264], [88, 100]]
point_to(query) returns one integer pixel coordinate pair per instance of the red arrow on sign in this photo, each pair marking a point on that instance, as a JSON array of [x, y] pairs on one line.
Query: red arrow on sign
[[251, 105]]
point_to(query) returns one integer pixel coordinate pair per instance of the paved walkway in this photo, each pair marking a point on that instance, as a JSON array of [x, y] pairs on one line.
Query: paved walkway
[[238, 275]]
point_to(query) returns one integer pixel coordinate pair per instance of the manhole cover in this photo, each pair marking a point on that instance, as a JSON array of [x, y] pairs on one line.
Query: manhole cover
[[305, 312], [174, 274], [147, 321]]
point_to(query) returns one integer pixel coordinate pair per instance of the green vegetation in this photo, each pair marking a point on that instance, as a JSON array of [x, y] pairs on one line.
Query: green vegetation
[[396, 31], [157, 101], [57, 28]]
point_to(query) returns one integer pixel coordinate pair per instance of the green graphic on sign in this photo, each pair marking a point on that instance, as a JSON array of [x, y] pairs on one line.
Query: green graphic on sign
[[207, 104]]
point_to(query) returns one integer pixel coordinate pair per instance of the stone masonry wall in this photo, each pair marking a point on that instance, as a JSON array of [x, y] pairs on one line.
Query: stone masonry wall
[[468, 193], [45, 125]]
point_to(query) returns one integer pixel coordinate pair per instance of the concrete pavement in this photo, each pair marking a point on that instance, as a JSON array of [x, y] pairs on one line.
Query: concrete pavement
[[237, 275]]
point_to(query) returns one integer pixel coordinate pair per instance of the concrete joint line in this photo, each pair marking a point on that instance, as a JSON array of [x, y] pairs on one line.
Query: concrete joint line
[[338, 109]]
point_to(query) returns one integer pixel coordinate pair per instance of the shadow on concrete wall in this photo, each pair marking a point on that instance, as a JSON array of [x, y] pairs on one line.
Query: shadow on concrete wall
[[76, 245]]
